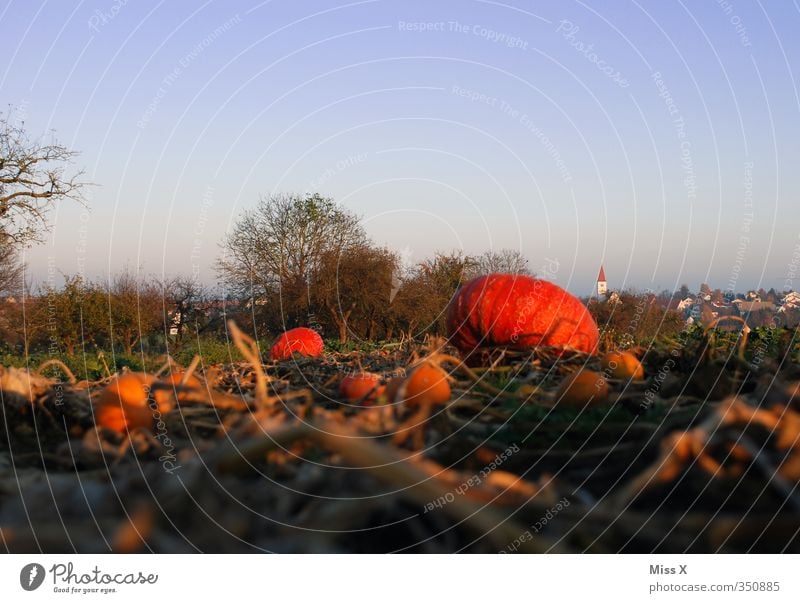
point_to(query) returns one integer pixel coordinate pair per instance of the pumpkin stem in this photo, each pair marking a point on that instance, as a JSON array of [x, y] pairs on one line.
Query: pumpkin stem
[[249, 349], [187, 374]]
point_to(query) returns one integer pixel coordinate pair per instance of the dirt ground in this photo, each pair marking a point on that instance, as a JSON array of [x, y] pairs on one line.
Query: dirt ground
[[703, 455]]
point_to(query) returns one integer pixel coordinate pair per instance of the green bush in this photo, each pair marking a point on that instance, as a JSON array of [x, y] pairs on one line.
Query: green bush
[[212, 350], [89, 364], [352, 345]]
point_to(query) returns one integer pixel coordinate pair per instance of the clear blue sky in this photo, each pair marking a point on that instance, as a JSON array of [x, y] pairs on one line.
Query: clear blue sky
[[658, 137]]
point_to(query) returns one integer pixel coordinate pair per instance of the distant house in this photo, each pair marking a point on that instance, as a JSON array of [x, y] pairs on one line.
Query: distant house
[[746, 307], [259, 301], [790, 301], [217, 305], [685, 305], [706, 312], [724, 309]]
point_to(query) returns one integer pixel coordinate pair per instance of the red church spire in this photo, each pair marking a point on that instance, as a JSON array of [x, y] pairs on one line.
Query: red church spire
[[601, 278]]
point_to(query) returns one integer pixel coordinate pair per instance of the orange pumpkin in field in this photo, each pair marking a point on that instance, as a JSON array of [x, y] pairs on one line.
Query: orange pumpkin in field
[[518, 311], [302, 340], [176, 378], [622, 365], [427, 385], [164, 394], [424, 388], [122, 418], [582, 388], [130, 388], [123, 404], [360, 386]]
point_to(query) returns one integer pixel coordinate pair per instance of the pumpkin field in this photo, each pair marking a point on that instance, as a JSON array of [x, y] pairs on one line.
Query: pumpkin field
[[522, 430]]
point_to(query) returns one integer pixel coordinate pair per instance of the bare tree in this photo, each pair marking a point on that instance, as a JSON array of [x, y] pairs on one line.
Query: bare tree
[[276, 247], [11, 268], [507, 261], [33, 179], [181, 296]]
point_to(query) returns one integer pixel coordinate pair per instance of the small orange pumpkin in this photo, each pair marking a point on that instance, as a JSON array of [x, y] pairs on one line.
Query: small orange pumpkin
[[360, 386], [582, 388], [130, 388], [164, 393], [622, 365], [427, 385], [123, 404], [119, 418]]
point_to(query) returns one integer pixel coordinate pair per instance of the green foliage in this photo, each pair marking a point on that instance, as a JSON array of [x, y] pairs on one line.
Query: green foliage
[[129, 361], [353, 345], [538, 427], [213, 350], [87, 366]]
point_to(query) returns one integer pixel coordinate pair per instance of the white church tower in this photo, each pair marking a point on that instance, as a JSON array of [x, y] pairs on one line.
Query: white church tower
[[602, 285]]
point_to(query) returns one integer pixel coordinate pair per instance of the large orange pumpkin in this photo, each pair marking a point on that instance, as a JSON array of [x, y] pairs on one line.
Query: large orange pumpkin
[[302, 340], [518, 311]]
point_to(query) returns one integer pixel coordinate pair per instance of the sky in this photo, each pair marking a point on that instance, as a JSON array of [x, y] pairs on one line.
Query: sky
[[660, 139]]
